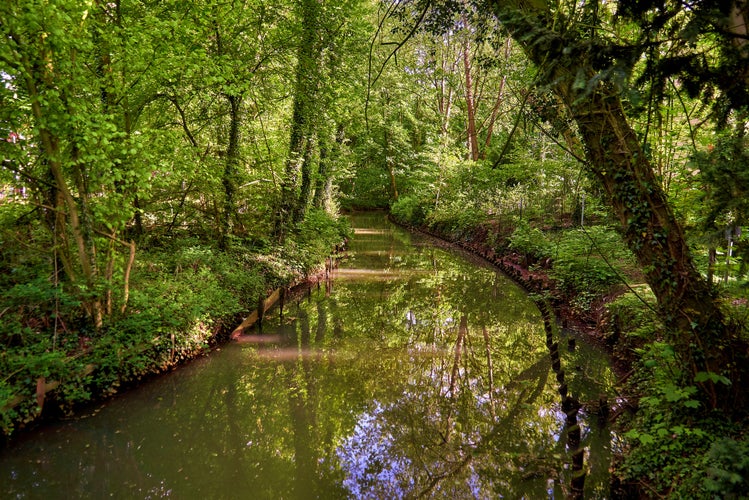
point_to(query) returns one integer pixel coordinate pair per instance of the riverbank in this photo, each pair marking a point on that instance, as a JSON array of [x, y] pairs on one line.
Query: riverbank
[[593, 321], [186, 297], [669, 445]]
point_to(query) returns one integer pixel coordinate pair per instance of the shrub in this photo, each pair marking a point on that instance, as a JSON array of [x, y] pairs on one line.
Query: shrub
[[583, 279], [409, 210], [728, 468], [530, 241], [315, 238], [628, 315]]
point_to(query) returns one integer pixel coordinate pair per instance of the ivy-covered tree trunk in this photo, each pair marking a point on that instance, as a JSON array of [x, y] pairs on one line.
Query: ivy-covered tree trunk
[[696, 326], [306, 186], [323, 183], [231, 170], [287, 205], [307, 75]]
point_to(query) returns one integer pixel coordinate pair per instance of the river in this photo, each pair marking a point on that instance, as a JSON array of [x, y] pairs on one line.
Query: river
[[415, 371]]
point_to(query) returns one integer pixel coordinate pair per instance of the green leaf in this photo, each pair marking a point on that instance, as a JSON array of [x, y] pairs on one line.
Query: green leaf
[[712, 377]]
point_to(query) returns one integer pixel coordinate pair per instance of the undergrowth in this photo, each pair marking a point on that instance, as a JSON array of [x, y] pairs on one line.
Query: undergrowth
[[184, 294], [672, 445]]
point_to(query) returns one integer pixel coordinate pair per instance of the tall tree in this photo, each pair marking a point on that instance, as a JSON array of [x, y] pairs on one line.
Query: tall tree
[[80, 135], [322, 41], [296, 185], [582, 69], [586, 59]]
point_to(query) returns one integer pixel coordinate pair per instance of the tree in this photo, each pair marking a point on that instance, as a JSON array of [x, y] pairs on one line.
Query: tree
[[325, 34], [568, 57], [80, 135], [588, 69]]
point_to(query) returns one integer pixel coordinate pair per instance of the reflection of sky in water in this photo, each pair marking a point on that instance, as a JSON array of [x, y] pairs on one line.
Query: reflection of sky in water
[[374, 468], [554, 412], [370, 462]]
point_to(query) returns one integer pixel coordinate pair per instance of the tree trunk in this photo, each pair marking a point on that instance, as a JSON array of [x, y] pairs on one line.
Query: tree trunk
[[231, 170], [445, 94], [388, 159], [712, 254], [323, 183], [696, 326], [66, 205], [497, 103], [473, 141], [305, 189]]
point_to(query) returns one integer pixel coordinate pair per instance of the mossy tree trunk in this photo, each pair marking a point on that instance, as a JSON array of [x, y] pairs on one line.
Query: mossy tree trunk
[[696, 326], [231, 170], [297, 180]]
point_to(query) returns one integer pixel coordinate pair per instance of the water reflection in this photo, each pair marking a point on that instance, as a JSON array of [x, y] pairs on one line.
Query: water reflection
[[414, 373]]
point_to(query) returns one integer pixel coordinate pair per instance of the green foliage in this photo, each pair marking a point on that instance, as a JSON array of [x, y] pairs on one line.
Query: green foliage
[[577, 268], [457, 222], [632, 318], [409, 210], [314, 239], [673, 443], [728, 468], [183, 294], [530, 241], [723, 170], [580, 269]]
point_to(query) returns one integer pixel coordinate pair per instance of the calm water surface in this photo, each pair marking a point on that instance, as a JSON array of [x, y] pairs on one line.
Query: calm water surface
[[413, 373]]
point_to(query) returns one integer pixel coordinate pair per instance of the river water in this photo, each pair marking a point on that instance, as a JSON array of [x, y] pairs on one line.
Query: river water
[[414, 372]]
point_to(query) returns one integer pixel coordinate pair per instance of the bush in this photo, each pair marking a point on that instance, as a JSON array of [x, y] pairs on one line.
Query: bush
[[676, 445], [583, 279], [629, 316], [728, 468], [409, 210], [314, 239], [531, 242]]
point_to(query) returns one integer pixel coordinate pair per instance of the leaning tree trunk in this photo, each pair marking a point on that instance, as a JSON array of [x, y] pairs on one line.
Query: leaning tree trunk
[[696, 327]]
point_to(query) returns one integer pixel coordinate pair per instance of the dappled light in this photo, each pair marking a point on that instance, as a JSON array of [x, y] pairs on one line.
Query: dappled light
[[383, 385], [176, 176]]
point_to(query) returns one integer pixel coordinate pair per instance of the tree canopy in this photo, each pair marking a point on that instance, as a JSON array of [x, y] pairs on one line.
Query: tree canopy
[[244, 127]]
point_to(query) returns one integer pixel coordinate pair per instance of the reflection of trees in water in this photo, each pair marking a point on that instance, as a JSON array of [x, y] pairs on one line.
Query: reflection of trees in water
[[469, 392], [451, 432], [436, 383], [479, 416]]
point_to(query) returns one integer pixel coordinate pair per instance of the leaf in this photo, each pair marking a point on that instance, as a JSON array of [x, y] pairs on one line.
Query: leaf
[[646, 439], [712, 377]]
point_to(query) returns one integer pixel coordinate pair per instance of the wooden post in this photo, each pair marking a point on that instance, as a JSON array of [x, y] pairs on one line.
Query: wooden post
[[260, 312]]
